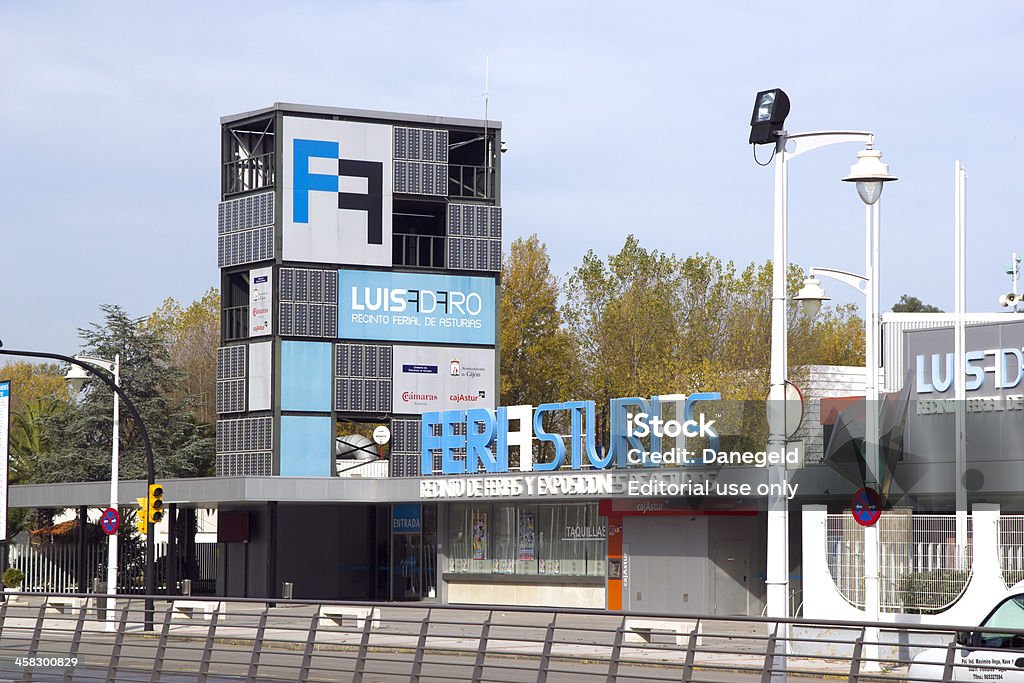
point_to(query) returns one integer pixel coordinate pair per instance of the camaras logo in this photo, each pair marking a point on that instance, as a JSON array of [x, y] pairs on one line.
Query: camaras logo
[[410, 396]]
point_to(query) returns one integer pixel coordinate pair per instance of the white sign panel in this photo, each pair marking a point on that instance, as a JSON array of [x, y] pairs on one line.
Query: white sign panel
[[338, 185], [5, 419], [261, 311], [432, 378]]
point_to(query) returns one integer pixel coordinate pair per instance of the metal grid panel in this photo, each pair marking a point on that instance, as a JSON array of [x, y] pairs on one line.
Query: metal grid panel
[[231, 396], [921, 568], [362, 378], [244, 213], [245, 434], [231, 361], [1011, 548], [247, 246], [421, 177], [308, 302], [259, 464]]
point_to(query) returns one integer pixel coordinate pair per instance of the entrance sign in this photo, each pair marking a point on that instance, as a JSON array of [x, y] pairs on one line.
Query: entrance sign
[[5, 420], [867, 506], [110, 520]]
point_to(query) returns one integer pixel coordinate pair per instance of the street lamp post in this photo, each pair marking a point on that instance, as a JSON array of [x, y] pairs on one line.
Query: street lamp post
[[770, 110], [869, 173], [76, 376], [147, 446]]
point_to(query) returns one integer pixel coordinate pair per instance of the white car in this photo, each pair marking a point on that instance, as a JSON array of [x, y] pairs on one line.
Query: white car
[[982, 655]]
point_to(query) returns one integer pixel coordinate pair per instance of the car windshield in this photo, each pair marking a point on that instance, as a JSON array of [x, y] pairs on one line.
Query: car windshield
[[1009, 614]]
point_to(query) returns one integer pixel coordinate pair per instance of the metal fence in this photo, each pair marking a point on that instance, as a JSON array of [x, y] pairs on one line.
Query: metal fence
[[68, 638], [921, 569], [54, 567], [1011, 548]]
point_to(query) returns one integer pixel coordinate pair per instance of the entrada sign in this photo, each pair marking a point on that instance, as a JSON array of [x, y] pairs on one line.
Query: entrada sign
[[486, 436]]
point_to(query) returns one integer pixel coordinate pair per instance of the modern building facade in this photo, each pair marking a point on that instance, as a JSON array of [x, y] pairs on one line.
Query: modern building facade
[[359, 255]]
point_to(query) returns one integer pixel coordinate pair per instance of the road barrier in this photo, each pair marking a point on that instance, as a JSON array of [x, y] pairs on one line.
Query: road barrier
[[59, 637]]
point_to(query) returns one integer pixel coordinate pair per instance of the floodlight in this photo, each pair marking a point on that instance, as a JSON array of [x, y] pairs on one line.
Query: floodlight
[[771, 107]]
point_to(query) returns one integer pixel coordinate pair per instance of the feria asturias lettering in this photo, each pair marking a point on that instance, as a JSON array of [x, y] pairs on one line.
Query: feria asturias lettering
[[486, 436]]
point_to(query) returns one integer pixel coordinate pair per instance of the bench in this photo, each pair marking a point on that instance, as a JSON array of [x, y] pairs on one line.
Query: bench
[[63, 604], [642, 630], [189, 608], [338, 613]]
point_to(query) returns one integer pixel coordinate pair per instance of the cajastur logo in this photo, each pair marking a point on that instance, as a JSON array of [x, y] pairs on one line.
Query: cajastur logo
[[464, 398], [408, 396]]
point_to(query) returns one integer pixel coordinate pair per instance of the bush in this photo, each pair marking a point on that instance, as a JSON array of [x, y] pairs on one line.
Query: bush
[[13, 577], [933, 591]]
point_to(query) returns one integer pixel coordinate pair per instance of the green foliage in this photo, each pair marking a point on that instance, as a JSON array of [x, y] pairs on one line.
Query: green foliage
[[538, 357], [78, 441], [13, 577], [931, 592], [34, 383], [193, 335], [911, 304]]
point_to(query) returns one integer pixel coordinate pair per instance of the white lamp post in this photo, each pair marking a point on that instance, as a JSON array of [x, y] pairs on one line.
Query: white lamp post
[[869, 173], [76, 377], [770, 110]]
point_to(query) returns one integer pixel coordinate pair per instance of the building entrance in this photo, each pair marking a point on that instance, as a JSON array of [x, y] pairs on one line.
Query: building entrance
[[664, 557], [413, 552]]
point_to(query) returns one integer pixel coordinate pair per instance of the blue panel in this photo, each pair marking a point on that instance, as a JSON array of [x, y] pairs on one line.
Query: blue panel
[[306, 376], [415, 307], [306, 446], [406, 518]]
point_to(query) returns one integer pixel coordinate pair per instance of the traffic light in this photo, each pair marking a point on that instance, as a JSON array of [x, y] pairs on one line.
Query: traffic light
[[155, 509], [142, 521]]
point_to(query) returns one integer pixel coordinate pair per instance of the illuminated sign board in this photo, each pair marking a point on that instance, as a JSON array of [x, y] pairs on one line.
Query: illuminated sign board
[[415, 307]]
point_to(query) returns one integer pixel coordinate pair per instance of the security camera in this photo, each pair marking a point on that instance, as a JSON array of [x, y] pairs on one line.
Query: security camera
[[1010, 299], [504, 146]]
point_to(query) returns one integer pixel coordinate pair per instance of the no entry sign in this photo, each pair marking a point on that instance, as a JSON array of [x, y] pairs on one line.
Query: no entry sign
[[109, 521], [867, 506]]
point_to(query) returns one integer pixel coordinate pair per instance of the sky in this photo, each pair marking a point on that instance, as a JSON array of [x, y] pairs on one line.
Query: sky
[[619, 118]]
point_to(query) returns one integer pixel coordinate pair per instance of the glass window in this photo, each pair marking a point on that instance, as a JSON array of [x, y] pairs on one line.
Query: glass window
[[1009, 614], [469, 540], [554, 540]]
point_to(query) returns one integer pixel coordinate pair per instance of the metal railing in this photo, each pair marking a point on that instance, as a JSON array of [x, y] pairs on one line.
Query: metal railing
[[54, 567], [423, 251], [1011, 548], [921, 569], [235, 323], [252, 173], [472, 182], [72, 637]]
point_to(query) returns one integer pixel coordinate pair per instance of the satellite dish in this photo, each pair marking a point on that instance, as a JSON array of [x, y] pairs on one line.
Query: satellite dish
[[354, 447]]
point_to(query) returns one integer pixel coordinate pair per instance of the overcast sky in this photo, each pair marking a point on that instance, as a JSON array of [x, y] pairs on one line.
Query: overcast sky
[[619, 117]]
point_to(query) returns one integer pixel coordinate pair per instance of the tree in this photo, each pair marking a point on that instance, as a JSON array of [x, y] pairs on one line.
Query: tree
[[193, 335], [625, 315], [538, 356], [80, 438], [911, 304], [33, 381]]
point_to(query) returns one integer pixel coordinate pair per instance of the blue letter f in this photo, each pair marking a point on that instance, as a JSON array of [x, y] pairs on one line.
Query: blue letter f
[[304, 181]]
